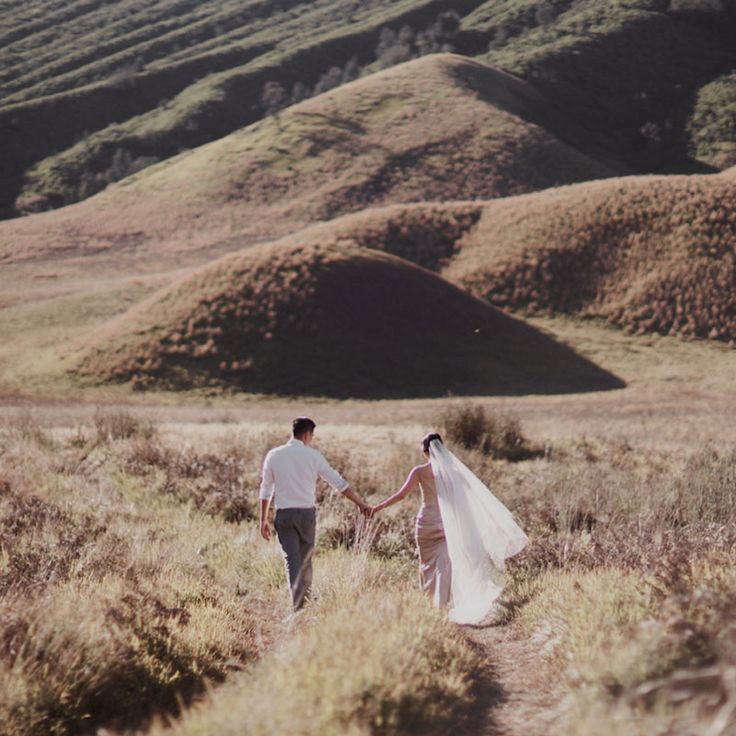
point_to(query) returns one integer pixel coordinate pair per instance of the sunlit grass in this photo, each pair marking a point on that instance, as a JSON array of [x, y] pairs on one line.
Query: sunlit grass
[[369, 655], [126, 595]]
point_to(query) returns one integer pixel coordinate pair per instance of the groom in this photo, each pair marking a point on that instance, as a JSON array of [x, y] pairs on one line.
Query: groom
[[290, 474]]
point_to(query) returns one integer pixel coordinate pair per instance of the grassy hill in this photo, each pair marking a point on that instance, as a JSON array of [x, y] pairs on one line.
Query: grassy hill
[[299, 317], [93, 91], [630, 71], [148, 79], [433, 128], [651, 254]]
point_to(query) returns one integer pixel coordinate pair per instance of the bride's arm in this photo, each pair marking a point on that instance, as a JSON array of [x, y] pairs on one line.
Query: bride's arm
[[410, 484]]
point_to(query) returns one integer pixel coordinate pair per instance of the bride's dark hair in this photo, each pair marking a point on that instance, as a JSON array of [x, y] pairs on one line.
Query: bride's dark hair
[[427, 440]]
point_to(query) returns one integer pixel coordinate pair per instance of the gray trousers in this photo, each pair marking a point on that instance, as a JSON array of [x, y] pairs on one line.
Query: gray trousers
[[295, 529]]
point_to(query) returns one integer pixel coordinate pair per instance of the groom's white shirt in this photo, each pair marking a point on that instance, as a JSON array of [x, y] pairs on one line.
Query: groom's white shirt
[[290, 474]]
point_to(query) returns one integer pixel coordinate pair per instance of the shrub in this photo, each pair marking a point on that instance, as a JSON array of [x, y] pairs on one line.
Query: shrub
[[395, 47], [121, 165], [497, 435], [27, 428], [90, 633], [273, 98], [121, 425], [222, 484], [330, 79]]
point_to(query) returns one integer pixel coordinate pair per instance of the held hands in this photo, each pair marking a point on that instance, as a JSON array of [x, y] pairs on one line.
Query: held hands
[[372, 511], [367, 510]]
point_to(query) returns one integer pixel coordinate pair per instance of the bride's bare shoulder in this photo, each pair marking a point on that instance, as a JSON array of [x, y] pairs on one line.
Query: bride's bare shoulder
[[423, 470]]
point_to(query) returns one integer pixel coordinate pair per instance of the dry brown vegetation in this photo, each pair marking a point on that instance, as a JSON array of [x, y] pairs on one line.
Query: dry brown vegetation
[[627, 588], [498, 435], [302, 318], [650, 254], [121, 600], [631, 586], [115, 605]]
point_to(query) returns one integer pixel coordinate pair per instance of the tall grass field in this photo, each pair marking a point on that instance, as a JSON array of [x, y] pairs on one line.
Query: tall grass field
[[138, 596]]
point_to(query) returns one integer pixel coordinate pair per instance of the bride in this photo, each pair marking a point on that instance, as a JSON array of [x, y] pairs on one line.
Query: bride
[[463, 532]]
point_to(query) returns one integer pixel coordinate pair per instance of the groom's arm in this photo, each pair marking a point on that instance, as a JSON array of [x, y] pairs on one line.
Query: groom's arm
[[356, 499], [265, 496], [340, 484]]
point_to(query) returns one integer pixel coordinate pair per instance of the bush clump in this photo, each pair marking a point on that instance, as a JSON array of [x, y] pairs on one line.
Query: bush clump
[[121, 425], [497, 435]]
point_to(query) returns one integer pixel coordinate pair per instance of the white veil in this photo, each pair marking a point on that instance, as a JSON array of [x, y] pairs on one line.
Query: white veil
[[480, 532]]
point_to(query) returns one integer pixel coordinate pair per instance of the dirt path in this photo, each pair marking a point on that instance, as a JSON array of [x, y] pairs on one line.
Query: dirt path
[[516, 690]]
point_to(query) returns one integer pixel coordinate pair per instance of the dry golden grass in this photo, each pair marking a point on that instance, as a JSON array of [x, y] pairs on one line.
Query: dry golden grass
[[378, 659], [627, 589], [643, 654], [301, 318], [118, 602], [143, 530], [121, 601]]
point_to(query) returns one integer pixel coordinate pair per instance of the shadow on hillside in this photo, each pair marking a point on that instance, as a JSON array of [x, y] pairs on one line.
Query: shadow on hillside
[[640, 121]]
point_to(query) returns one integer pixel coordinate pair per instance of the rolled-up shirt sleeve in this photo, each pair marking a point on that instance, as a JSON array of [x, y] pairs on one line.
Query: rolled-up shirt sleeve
[[331, 476], [267, 480]]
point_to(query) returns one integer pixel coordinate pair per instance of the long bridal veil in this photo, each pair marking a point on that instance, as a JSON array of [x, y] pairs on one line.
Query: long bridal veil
[[481, 534]]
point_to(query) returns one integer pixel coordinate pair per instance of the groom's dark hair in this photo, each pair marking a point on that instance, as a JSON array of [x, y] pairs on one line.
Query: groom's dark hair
[[302, 425]]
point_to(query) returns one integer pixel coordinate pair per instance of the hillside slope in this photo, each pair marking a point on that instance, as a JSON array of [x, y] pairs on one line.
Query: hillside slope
[[299, 317], [652, 254], [438, 127], [148, 78], [93, 91], [629, 71]]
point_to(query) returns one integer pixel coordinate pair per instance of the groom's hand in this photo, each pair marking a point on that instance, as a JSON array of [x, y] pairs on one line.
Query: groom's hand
[[263, 518]]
